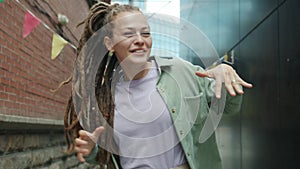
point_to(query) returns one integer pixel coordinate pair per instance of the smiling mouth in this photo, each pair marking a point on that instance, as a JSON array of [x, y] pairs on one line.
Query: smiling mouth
[[139, 52]]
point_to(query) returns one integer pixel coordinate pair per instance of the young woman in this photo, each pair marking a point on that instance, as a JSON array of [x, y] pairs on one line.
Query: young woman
[[158, 106]]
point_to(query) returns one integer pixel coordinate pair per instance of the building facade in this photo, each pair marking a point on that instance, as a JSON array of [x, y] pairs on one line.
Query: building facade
[[31, 115]]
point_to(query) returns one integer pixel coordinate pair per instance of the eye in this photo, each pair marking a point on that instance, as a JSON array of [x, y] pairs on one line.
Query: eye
[[128, 34], [146, 34]]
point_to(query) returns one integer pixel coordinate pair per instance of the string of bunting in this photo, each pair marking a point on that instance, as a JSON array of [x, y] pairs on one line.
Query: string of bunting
[[31, 21]]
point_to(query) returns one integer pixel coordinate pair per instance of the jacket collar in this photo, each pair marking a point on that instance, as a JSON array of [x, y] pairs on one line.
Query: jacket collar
[[162, 61]]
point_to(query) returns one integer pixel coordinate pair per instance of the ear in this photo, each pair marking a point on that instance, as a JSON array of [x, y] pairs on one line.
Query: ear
[[108, 43]]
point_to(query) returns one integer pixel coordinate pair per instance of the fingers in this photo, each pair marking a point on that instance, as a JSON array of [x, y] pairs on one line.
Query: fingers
[[243, 83], [84, 135], [91, 136], [230, 86], [97, 132], [218, 88], [80, 157], [86, 142], [237, 83], [218, 84], [202, 74], [237, 87], [82, 146]]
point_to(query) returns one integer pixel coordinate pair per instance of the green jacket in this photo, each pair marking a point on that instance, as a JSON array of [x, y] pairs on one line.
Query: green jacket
[[188, 98]]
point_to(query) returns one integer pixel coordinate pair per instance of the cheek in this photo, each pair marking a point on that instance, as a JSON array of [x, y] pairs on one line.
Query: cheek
[[119, 59], [122, 47], [149, 42], [120, 56], [121, 51]]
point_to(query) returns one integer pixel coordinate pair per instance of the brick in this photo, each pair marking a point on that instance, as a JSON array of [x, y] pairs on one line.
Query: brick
[[11, 104], [12, 90], [27, 74], [4, 66], [3, 72], [2, 88], [3, 96]]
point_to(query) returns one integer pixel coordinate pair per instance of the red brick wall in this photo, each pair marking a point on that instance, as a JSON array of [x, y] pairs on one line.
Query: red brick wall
[[27, 73]]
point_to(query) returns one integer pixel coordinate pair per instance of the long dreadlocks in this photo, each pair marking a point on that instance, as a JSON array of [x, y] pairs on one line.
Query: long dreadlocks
[[100, 15]]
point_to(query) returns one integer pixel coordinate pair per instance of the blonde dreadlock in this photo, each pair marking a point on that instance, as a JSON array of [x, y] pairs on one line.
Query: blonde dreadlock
[[100, 15]]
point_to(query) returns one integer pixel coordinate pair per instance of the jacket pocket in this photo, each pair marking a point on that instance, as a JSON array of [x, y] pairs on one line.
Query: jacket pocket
[[195, 109]]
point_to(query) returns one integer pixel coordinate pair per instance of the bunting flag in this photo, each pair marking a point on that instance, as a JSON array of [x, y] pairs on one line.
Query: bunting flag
[[30, 22], [58, 43]]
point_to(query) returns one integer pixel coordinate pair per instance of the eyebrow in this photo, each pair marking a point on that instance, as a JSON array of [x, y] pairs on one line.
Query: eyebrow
[[131, 28]]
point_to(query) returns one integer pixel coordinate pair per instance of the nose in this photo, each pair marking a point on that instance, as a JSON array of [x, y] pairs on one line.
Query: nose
[[139, 40]]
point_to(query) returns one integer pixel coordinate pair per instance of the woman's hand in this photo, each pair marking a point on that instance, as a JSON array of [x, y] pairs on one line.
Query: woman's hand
[[86, 142], [225, 73]]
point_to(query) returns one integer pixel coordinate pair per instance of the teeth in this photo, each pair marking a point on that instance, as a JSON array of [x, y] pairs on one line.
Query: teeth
[[139, 51]]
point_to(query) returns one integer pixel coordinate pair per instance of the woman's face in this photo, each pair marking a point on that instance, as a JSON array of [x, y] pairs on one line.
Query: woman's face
[[131, 37]]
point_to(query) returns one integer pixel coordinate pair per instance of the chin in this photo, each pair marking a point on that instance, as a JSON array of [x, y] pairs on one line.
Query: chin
[[138, 59]]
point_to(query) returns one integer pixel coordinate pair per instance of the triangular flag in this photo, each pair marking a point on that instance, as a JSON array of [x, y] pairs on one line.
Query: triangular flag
[[58, 43], [30, 22]]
